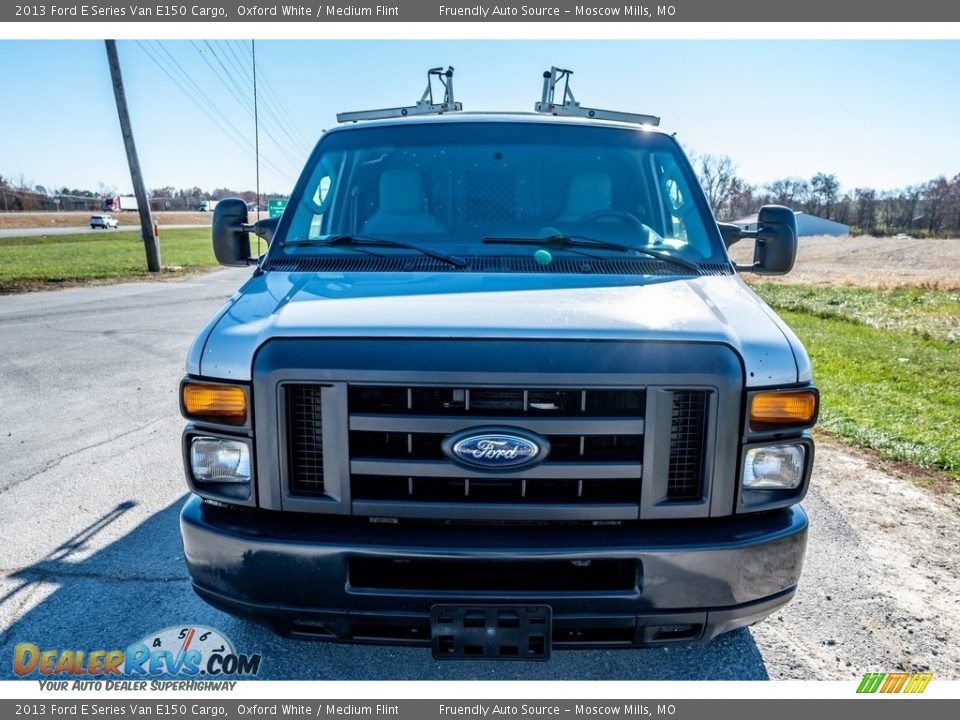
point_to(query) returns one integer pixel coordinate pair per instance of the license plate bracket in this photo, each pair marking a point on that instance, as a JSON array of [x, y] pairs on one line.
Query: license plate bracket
[[491, 632]]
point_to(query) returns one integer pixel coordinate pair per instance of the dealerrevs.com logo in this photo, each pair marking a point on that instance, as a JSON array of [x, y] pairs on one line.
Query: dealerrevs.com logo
[[184, 651]]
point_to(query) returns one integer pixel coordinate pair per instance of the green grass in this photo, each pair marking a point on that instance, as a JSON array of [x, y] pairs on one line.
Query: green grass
[[50, 260], [887, 364], [930, 314]]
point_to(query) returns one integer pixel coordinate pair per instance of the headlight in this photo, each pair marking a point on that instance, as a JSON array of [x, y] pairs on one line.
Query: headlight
[[216, 460], [774, 467]]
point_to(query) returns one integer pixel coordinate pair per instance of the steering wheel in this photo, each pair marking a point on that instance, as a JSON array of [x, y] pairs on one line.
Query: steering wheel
[[622, 215]]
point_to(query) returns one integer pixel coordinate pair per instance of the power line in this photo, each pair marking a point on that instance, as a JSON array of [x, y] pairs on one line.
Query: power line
[[185, 76], [266, 89], [232, 133], [273, 97], [269, 109], [227, 76], [237, 135], [230, 83], [273, 123], [236, 57], [200, 91], [202, 94]]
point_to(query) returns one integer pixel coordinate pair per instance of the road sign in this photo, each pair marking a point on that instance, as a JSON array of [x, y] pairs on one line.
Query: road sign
[[275, 207]]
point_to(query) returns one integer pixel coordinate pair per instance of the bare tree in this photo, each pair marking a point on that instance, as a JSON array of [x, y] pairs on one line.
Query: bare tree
[[105, 190], [745, 200], [866, 213], [793, 192], [938, 194], [719, 180], [825, 189]]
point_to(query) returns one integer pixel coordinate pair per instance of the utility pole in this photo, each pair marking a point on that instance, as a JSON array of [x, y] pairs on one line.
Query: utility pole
[[150, 241]]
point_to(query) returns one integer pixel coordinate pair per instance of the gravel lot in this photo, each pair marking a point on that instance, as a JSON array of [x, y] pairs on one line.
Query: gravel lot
[[93, 483], [881, 585], [870, 262]]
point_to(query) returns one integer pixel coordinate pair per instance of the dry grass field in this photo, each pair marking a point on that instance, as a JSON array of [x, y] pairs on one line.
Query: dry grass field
[[12, 221], [864, 261]]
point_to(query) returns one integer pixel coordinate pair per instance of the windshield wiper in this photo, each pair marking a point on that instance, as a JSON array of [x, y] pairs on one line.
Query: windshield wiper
[[584, 241], [360, 240]]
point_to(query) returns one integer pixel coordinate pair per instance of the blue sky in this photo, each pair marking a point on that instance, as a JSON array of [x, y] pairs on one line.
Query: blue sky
[[882, 114]]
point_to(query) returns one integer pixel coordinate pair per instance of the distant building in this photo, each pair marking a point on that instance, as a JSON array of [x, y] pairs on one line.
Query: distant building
[[807, 225]]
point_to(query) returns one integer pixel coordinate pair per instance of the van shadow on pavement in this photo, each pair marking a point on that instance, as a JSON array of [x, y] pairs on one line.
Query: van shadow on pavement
[[138, 585]]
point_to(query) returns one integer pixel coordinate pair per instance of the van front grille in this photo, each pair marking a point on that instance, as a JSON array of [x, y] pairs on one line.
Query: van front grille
[[397, 434], [394, 460]]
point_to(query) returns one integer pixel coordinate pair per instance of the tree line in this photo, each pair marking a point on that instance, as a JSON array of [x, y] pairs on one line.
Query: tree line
[[22, 196], [930, 209]]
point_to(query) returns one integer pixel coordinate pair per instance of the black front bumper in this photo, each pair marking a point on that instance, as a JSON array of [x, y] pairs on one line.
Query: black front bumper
[[694, 579]]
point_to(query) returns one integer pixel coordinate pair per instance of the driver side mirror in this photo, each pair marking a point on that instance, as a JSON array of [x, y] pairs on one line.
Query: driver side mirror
[[231, 237], [776, 237], [265, 228]]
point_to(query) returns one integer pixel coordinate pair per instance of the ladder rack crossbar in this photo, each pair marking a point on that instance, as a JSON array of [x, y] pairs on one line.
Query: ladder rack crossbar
[[570, 107], [424, 106]]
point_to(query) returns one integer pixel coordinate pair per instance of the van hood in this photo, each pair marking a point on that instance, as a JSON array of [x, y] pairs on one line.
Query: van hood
[[719, 309]]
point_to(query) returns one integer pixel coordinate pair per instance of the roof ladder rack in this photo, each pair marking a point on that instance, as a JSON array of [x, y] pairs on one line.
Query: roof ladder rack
[[570, 106], [425, 106]]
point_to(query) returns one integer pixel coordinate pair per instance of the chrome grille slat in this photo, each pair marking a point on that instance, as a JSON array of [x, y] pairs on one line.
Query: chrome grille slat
[[447, 424], [544, 471], [466, 401], [502, 512]]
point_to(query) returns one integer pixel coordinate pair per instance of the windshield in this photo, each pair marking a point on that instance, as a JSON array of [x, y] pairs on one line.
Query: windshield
[[458, 187]]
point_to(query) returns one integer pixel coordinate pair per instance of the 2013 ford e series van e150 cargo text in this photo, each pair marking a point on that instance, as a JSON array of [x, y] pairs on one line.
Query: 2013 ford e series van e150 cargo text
[[496, 387]]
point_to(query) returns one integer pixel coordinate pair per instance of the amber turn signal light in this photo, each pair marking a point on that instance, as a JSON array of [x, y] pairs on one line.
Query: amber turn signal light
[[216, 403], [783, 408]]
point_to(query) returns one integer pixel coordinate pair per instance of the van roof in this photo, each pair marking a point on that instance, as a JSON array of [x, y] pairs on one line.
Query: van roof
[[495, 116]]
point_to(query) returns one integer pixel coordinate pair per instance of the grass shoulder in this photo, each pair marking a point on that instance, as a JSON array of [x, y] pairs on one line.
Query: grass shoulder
[[886, 363], [927, 313], [52, 261]]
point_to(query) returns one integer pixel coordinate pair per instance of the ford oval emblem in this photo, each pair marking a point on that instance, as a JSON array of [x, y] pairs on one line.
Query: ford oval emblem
[[496, 448]]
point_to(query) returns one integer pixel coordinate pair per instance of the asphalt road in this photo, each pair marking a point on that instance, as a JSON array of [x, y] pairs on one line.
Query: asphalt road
[[92, 484], [36, 232]]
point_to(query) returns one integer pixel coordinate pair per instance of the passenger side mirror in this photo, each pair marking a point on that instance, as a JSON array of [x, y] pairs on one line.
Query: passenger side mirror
[[776, 236], [231, 237], [776, 241]]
